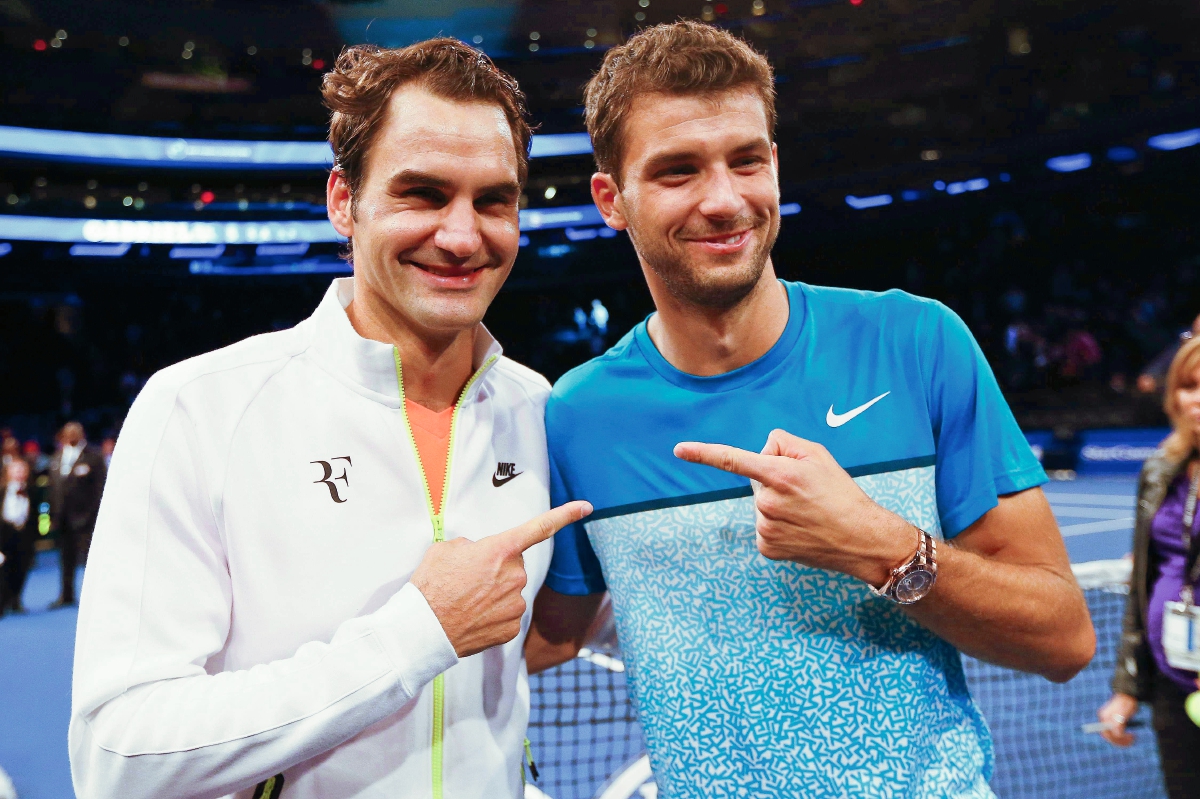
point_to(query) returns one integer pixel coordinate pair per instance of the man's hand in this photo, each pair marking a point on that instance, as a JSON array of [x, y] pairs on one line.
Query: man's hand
[[809, 510], [474, 587]]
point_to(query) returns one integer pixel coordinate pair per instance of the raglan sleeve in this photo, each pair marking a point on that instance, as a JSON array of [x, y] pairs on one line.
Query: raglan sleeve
[[981, 453], [150, 715], [574, 567]]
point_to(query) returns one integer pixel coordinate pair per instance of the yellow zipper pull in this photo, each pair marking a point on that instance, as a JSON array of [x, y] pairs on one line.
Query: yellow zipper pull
[[533, 769], [439, 530]]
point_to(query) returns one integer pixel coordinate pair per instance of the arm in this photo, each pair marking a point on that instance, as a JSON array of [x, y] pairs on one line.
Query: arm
[[1004, 592], [148, 719], [559, 628]]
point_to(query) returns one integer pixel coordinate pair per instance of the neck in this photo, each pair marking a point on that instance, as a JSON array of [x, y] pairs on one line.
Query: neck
[[436, 364], [709, 341]]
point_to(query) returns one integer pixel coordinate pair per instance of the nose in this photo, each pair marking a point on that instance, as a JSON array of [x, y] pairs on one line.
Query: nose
[[721, 197], [458, 234]]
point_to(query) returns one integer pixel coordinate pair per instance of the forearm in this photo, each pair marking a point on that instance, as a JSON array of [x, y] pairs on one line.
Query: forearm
[[559, 628], [181, 732], [542, 654], [1025, 617]]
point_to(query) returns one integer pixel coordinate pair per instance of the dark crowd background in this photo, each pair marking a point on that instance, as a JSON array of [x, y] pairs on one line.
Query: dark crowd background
[[1072, 297]]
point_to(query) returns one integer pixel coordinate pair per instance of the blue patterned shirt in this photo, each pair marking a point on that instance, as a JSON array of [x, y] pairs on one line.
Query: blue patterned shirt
[[759, 678]]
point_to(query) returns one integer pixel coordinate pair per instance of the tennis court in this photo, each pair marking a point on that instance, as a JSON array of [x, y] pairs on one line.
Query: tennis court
[[586, 740]]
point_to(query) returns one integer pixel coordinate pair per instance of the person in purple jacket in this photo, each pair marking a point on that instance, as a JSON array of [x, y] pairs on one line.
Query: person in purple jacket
[[1165, 571]]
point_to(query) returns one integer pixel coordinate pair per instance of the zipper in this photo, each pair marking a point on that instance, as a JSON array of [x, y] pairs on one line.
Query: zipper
[[439, 534]]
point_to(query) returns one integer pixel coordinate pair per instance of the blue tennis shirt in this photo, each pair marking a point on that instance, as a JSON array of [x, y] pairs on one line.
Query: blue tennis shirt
[[759, 678]]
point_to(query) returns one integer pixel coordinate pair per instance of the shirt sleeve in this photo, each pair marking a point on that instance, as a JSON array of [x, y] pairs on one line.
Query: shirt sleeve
[[574, 567], [148, 717], [981, 452]]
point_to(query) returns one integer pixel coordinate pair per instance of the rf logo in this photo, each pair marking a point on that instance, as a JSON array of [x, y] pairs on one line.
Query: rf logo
[[327, 467]]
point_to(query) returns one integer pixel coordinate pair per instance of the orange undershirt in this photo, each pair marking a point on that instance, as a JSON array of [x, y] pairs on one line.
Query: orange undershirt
[[431, 433]]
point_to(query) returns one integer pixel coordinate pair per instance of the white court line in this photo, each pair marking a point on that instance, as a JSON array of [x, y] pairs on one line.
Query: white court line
[[626, 782], [1097, 527], [1110, 500], [1084, 512]]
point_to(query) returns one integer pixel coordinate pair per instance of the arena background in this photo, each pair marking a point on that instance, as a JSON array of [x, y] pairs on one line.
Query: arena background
[[1031, 164]]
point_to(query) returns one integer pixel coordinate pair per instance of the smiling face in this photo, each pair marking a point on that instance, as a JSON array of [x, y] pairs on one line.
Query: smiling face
[[698, 193], [434, 225]]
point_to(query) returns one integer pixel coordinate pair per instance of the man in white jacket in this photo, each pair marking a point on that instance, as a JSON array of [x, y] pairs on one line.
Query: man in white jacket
[[307, 575]]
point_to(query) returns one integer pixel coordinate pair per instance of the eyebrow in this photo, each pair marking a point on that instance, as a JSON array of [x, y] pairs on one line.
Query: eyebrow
[[415, 177], [678, 156]]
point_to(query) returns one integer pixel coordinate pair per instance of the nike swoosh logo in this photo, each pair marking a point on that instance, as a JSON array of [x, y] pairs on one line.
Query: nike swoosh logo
[[499, 481], [838, 419]]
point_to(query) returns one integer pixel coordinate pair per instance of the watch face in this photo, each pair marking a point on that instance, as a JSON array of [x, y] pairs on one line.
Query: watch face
[[913, 586]]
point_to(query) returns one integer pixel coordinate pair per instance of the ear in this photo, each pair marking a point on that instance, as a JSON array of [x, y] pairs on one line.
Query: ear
[[337, 204], [775, 160], [607, 197]]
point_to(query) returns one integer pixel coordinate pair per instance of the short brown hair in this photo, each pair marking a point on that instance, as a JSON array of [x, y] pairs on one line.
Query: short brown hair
[[364, 77], [684, 57]]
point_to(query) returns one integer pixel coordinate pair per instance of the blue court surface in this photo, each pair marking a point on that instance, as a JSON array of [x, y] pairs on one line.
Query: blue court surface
[[584, 735]]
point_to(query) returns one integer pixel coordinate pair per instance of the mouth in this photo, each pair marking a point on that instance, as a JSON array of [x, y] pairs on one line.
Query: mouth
[[450, 276], [724, 243]]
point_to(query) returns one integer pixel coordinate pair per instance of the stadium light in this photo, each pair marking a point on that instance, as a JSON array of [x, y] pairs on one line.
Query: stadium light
[[122, 150], [874, 201], [787, 209], [295, 250], [564, 216], [963, 186], [100, 250], [1175, 141], [141, 231], [188, 253], [1069, 163]]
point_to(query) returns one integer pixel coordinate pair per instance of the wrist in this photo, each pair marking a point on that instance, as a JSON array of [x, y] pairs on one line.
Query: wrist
[[896, 543]]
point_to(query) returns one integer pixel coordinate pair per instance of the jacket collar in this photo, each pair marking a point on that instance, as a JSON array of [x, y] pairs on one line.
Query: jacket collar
[[1159, 472], [368, 364]]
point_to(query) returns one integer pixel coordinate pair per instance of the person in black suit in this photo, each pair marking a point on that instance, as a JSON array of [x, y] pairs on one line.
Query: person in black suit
[[18, 528], [77, 475]]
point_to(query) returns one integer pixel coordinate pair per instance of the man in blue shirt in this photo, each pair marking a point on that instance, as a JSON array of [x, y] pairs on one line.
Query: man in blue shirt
[[789, 623]]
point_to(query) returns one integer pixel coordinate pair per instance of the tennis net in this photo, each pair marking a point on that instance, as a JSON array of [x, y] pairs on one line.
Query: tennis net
[[588, 743]]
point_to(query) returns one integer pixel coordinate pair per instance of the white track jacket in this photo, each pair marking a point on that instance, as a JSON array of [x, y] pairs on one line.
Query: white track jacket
[[246, 611]]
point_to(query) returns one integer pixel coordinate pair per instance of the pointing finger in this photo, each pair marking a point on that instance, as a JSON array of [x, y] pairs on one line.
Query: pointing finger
[[781, 442], [540, 528], [726, 458]]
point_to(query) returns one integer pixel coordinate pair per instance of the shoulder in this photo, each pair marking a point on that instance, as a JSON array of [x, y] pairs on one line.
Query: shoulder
[[595, 381], [892, 308], [230, 376], [524, 380]]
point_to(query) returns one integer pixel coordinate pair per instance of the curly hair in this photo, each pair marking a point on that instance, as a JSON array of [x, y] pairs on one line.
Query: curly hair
[[684, 57]]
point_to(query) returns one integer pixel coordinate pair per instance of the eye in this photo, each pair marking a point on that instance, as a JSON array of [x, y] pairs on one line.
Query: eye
[[425, 193], [678, 170]]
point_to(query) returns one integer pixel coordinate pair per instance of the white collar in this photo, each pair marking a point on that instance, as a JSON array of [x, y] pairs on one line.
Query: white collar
[[367, 363]]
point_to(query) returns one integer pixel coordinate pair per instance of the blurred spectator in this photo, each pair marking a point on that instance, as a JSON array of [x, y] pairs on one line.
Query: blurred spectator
[[106, 449], [1155, 373], [10, 447], [38, 461], [18, 529], [77, 475], [1163, 561]]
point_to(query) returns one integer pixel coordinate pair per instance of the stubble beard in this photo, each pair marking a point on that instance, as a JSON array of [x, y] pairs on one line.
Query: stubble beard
[[716, 290]]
